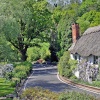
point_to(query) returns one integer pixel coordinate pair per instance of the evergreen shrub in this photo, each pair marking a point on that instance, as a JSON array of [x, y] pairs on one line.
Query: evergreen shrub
[[22, 70], [38, 93], [76, 96], [66, 65]]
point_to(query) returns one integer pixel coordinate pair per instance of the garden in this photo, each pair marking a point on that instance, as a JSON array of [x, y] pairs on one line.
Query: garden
[[41, 29], [67, 67], [12, 81], [38, 93]]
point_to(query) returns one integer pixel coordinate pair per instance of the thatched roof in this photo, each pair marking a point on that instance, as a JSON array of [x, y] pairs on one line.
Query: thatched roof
[[88, 43]]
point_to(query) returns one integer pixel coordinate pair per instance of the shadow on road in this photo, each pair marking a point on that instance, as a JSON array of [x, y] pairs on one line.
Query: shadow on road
[[56, 87]]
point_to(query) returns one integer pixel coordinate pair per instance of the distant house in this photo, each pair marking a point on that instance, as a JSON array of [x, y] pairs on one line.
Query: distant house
[[87, 46]]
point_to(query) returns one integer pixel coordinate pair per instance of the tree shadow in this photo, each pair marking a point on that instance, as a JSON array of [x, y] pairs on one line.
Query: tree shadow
[[52, 86]]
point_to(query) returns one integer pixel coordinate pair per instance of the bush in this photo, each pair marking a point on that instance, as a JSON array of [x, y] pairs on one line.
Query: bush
[[72, 63], [63, 63], [75, 96], [68, 72], [8, 75], [20, 75], [13, 84], [96, 83], [73, 78], [22, 70], [38, 93], [26, 63], [63, 66], [66, 65], [41, 52]]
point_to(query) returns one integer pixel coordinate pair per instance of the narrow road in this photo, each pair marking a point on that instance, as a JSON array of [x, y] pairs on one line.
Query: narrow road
[[45, 76]]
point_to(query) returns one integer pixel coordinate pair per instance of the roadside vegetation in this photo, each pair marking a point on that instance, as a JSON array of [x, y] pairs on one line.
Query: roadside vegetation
[[6, 87], [38, 93], [35, 29], [66, 67], [15, 78]]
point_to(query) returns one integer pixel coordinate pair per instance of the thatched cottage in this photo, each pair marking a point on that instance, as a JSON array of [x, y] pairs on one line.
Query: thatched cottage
[[86, 46]]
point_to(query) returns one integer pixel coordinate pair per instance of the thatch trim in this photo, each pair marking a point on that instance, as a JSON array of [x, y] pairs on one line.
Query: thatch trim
[[89, 43], [92, 30]]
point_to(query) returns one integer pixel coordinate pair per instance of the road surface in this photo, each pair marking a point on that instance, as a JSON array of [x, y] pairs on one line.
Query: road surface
[[45, 76]]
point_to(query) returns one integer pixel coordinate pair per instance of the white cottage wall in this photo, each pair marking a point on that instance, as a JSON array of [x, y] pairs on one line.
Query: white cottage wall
[[77, 57], [91, 59], [72, 57]]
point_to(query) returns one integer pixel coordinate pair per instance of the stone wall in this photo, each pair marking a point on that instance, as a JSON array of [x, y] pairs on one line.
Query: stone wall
[[86, 72]]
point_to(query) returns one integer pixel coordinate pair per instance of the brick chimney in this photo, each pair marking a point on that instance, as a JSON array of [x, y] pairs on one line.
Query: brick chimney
[[75, 32]]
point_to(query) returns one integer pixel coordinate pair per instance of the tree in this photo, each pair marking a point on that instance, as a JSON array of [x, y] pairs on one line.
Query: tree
[[23, 22], [89, 19], [7, 53], [88, 5], [64, 27]]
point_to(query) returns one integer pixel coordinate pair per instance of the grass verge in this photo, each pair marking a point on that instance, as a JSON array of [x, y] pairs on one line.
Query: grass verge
[[5, 87]]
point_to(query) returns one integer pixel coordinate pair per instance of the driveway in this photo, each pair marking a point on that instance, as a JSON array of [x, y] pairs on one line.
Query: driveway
[[45, 76]]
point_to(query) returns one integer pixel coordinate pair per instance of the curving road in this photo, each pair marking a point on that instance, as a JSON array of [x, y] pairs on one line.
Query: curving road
[[45, 76]]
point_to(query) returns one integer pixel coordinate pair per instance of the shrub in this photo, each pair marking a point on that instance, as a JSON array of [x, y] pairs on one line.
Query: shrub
[[96, 83], [22, 70], [20, 75], [16, 80], [73, 77], [8, 75], [66, 65], [72, 63], [67, 72], [26, 63], [75, 96], [38, 93], [13, 84], [41, 52], [63, 63]]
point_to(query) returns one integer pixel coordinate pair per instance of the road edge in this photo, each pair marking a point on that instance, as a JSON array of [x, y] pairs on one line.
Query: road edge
[[82, 87]]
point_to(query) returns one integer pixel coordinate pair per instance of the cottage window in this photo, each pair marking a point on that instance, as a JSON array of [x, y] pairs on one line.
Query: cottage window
[[79, 57], [75, 57], [95, 59]]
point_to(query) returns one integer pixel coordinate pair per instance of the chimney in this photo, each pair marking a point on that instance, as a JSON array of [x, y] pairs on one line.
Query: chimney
[[75, 32]]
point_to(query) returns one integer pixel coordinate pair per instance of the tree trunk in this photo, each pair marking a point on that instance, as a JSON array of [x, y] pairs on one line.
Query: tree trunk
[[23, 55]]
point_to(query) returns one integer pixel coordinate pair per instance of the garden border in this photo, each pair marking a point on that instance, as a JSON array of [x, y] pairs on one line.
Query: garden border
[[92, 89]]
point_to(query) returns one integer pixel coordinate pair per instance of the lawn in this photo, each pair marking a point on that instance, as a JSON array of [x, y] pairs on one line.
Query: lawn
[[5, 87]]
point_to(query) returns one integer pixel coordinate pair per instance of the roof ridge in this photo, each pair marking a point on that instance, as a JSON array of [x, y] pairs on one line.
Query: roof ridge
[[92, 30]]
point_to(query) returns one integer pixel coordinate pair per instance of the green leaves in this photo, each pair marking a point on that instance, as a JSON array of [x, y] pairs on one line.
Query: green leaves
[[24, 21], [89, 19], [11, 26]]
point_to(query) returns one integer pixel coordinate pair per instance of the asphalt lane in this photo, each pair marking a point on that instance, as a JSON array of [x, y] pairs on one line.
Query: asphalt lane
[[45, 76]]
